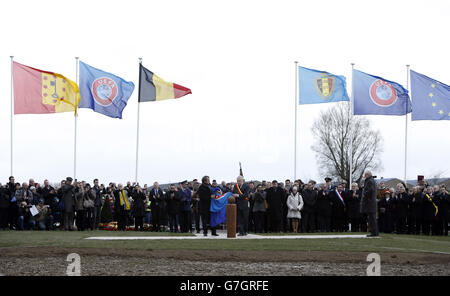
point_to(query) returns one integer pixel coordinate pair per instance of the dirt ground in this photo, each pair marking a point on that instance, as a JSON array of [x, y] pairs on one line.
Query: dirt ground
[[52, 261]]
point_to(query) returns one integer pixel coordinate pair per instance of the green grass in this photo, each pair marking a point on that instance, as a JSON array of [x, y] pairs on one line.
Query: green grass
[[386, 242]]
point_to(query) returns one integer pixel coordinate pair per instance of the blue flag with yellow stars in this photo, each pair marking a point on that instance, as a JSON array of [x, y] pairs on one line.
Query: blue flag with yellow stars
[[317, 87], [430, 98]]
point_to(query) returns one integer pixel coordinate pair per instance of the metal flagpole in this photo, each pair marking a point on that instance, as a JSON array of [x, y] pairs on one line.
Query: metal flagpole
[[406, 122], [295, 127], [351, 133], [137, 129], [12, 113], [75, 130]]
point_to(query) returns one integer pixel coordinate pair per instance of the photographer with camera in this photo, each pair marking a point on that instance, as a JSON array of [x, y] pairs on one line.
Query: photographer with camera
[[43, 219]]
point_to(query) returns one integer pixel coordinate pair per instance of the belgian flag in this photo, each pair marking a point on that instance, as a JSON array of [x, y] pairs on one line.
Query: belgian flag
[[154, 88]]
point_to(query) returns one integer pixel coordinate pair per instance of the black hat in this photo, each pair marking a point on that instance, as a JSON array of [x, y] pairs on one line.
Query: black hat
[[183, 182], [327, 179]]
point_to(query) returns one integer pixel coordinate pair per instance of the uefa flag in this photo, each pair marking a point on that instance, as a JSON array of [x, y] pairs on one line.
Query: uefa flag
[[378, 96], [317, 87], [103, 92], [430, 98], [154, 88], [218, 209], [39, 92]]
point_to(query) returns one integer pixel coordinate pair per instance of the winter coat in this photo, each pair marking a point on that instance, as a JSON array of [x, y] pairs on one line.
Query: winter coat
[[369, 197], [259, 204], [173, 202], [138, 208], [294, 204]]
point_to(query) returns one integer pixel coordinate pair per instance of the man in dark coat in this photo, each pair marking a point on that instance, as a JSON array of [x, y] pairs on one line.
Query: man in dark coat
[[369, 203], [274, 198], [429, 210], [444, 205], [13, 208], [156, 198], [138, 208], [185, 207], [309, 208], [98, 203], [204, 193], [324, 209], [241, 192], [4, 207], [68, 192], [122, 207], [416, 210], [338, 209], [402, 203], [353, 201], [173, 207]]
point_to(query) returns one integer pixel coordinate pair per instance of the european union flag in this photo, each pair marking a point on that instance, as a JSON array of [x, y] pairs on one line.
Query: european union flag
[[317, 87], [378, 96], [430, 98], [103, 92]]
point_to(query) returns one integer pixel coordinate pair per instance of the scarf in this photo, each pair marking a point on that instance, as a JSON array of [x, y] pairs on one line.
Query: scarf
[[435, 206], [124, 200]]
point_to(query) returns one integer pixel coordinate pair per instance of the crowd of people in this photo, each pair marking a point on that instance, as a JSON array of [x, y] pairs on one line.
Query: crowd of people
[[262, 207]]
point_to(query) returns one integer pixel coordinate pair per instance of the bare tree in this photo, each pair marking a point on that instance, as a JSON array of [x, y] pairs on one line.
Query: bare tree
[[332, 137]]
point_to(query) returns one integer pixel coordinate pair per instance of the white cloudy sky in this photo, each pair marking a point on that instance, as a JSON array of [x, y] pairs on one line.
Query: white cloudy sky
[[238, 59]]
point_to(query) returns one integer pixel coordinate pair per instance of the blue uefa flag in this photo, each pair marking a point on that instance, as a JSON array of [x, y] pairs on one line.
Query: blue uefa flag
[[317, 87], [378, 96], [103, 92], [430, 98], [218, 209]]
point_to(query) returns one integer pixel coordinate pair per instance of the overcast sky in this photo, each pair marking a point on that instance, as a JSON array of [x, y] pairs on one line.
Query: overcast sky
[[237, 57]]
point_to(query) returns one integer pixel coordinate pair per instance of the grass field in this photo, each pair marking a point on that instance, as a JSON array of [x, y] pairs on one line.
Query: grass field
[[386, 242]]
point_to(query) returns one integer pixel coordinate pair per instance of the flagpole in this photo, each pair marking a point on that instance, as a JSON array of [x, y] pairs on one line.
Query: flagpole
[[12, 113], [351, 133], [295, 127], [137, 129], [75, 125], [406, 123]]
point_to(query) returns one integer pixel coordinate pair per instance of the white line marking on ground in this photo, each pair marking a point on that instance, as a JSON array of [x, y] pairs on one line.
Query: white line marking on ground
[[224, 236], [423, 251]]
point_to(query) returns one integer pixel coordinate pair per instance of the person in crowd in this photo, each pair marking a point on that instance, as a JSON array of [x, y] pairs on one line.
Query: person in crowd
[[68, 200], [309, 196], [295, 204], [80, 214], [324, 210], [416, 210], [148, 210], [369, 202], [274, 199], [138, 208], [173, 207], [259, 208], [4, 206], [13, 208], [328, 187], [381, 189], [195, 206], [338, 209], [185, 195], [251, 222], [353, 201], [444, 201], [98, 203], [205, 194], [241, 193], [430, 210], [402, 202], [44, 219], [386, 212], [156, 197], [122, 206], [89, 207]]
